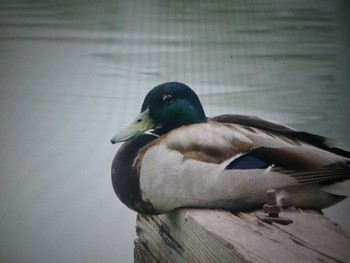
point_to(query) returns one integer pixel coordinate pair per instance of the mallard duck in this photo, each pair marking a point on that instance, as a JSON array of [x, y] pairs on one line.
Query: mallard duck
[[174, 156]]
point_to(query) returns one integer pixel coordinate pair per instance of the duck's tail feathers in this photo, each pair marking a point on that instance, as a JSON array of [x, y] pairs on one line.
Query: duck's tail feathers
[[326, 176], [340, 188], [340, 152]]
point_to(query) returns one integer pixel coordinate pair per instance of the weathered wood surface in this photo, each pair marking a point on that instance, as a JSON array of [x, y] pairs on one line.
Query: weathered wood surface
[[191, 235]]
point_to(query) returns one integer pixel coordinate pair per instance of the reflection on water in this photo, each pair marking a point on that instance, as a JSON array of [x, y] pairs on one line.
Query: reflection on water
[[73, 72]]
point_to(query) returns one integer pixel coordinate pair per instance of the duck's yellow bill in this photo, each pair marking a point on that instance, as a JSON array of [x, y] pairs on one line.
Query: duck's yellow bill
[[140, 125]]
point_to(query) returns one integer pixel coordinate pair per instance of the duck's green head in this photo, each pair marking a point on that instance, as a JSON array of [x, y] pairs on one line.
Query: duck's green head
[[167, 106]]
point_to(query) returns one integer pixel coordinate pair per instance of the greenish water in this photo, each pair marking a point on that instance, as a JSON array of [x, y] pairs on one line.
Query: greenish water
[[72, 73]]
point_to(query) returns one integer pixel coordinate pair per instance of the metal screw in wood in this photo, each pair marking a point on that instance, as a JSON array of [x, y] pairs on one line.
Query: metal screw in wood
[[273, 210]]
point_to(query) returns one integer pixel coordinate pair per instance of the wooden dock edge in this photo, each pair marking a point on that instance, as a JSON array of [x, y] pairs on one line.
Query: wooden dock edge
[[198, 235]]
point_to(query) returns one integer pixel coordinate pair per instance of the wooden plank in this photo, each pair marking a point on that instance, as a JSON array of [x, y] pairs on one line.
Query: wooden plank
[[195, 235]]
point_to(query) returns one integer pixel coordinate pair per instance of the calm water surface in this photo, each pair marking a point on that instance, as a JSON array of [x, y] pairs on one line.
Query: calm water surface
[[72, 73]]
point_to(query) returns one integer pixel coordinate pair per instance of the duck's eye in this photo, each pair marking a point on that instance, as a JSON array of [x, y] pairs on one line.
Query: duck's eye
[[168, 99]]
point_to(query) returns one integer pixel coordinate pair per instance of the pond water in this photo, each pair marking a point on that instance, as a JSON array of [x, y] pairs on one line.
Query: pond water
[[72, 73]]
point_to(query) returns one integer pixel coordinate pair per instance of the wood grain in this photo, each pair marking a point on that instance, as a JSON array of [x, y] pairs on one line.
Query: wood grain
[[195, 235]]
